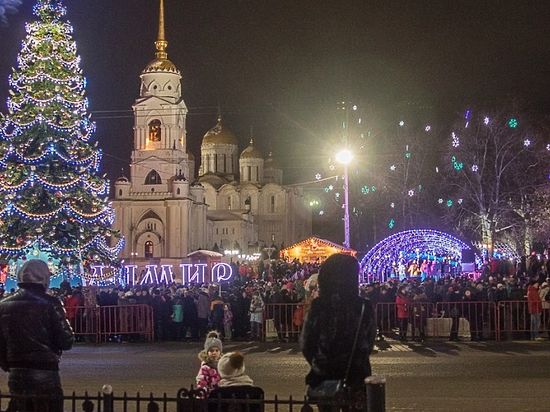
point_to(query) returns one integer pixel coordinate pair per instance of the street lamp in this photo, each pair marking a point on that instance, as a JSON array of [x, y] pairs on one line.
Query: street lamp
[[344, 157]]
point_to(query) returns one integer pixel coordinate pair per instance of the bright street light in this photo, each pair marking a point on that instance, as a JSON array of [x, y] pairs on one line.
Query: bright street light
[[344, 156]]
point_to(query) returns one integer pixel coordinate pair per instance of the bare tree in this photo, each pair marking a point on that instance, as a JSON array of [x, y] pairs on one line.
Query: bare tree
[[496, 165]]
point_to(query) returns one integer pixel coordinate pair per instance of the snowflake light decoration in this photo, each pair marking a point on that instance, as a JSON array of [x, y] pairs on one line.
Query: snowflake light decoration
[[475, 168], [318, 176], [332, 167], [391, 224], [548, 147], [513, 123], [486, 120], [392, 205], [401, 123], [456, 141], [393, 167], [411, 193], [440, 201], [321, 212], [428, 128], [460, 201], [527, 142], [449, 203]]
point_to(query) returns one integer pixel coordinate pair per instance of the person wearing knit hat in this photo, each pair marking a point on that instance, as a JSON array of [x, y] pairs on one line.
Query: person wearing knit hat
[[208, 377], [231, 369], [35, 331]]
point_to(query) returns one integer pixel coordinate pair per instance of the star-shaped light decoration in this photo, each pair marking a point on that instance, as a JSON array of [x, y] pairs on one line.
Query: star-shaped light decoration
[[527, 142], [475, 168], [411, 193], [393, 167], [486, 120], [428, 128], [440, 201], [318, 176]]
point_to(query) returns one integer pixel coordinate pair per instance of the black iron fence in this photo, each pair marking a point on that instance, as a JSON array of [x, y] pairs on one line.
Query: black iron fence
[[194, 401]]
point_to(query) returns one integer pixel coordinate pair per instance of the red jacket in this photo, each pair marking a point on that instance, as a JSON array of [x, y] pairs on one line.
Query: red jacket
[[402, 303], [534, 302]]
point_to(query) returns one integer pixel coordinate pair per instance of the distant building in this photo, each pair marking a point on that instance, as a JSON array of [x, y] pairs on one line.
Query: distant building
[[237, 202]]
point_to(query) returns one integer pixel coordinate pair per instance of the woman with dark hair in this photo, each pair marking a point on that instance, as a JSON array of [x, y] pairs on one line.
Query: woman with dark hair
[[331, 326]]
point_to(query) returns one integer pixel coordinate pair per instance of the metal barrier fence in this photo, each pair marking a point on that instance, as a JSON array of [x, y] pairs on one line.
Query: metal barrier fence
[[467, 319], [100, 323], [245, 399], [283, 321]]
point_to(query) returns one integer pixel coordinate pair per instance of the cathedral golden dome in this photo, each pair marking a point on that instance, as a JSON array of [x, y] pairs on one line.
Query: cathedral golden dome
[[161, 65], [251, 152], [220, 135]]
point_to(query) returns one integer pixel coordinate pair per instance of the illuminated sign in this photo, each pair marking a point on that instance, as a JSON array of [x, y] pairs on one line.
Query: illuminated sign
[[164, 274]]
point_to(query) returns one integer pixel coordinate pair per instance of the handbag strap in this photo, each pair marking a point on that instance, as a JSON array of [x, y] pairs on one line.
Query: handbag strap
[[354, 343]]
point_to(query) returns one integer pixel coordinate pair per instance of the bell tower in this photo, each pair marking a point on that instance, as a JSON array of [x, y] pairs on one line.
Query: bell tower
[[160, 116]]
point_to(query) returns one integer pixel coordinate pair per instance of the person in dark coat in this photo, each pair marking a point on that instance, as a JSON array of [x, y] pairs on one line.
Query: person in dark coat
[[34, 330], [331, 325]]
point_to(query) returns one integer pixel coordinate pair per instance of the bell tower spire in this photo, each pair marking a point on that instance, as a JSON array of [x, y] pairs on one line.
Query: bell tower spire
[[161, 44]]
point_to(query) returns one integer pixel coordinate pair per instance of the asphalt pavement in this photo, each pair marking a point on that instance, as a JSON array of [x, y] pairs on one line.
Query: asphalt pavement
[[435, 376]]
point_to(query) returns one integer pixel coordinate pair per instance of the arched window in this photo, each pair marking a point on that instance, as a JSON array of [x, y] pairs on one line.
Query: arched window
[[272, 204], [149, 249], [178, 191], [153, 178], [120, 192], [154, 130]]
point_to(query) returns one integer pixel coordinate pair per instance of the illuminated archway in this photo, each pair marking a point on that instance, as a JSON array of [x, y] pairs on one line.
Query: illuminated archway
[[409, 245]]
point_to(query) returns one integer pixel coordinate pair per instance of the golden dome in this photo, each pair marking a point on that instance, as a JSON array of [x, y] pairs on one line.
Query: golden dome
[[220, 135], [251, 152], [161, 65]]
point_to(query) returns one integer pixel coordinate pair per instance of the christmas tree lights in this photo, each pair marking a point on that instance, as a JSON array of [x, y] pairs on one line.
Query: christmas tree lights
[[55, 203]]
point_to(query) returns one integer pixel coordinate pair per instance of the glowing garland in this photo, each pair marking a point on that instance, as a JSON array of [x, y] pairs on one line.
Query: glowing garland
[[399, 246]]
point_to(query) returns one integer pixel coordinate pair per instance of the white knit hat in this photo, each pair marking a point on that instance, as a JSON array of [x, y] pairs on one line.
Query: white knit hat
[[34, 271], [213, 341], [231, 364]]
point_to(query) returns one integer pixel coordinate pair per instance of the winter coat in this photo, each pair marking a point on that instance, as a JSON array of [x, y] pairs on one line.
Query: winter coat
[[327, 339], [542, 293], [33, 330], [403, 305], [534, 303], [208, 376], [203, 306]]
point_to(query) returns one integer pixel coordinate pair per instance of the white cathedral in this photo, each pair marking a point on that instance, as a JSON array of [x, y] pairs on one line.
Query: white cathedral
[[165, 211]]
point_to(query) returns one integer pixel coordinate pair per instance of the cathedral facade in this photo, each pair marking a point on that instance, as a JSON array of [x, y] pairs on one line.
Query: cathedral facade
[[236, 202]]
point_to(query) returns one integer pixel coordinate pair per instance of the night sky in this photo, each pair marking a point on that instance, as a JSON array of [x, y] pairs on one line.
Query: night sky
[[281, 66]]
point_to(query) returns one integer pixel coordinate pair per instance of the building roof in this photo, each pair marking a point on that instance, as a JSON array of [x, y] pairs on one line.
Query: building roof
[[251, 152], [219, 134]]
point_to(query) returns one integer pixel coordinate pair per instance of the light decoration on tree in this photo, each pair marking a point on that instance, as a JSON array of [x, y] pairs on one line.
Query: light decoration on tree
[[401, 123], [428, 128], [402, 247], [475, 168], [411, 193], [393, 167], [440, 201], [55, 203], [392, 205], [460, 201], [391, 223], [321, 212], [513, 123], [486, 120], [449, 203], [456, 140], [527, 142], [318, 176]]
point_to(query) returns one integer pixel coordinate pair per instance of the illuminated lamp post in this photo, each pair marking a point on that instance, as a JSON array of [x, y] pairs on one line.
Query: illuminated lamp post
[[344, 157]]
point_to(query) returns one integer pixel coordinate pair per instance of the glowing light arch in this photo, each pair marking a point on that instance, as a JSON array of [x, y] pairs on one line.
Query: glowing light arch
[[409, 242]]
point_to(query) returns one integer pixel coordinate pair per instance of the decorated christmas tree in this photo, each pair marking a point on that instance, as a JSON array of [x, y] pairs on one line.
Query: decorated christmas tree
[[54, 202]]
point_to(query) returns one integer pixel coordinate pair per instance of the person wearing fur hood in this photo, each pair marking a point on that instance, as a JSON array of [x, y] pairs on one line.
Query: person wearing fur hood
[[232, 370], [208, 377]]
